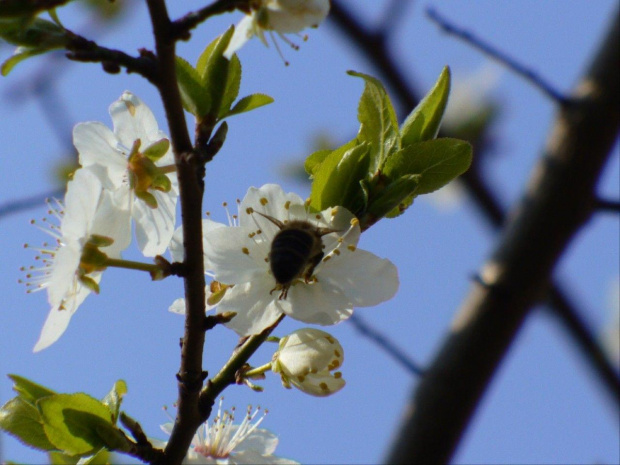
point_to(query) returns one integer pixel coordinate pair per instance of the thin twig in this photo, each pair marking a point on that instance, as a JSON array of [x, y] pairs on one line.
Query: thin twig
[[531, 76], [386, 345]]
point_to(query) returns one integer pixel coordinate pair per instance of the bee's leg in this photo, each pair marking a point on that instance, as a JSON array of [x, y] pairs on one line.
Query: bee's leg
[[312, 263]]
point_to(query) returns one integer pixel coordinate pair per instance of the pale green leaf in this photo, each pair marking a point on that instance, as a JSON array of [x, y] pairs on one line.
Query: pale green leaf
[[249, 103], [233, 84], [378, 122], [394, 198], [438, 162], [194, 95], [424, 121], [74, 422], [20, 54], [114, 398], [337, 179], [29, 390], [21, 419], [214, 71]]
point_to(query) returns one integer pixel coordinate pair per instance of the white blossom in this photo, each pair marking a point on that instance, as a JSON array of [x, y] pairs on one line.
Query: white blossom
[[223, 442], [279, 16], [136, 164], [346, 276], [90, 229], [307, 359]]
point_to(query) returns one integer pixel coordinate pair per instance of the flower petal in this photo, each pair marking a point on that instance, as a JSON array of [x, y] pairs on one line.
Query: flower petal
[[269, 200], [318, 303], [81, 200], [363, 277], [99, 149], [133, 120], [155, 226], [55, 324], [260, 440], [256, 309], [243, 32], [176, 244], [319, 384], [234, 256]]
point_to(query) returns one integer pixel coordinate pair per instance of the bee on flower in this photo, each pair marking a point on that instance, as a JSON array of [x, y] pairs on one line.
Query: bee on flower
[[322, 291]]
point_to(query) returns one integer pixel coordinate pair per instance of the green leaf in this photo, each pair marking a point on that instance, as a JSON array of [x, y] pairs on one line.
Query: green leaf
[[337, 180], [36, 33], [438, 161], [20, 54], [76, 424], [233, 84], [249, 103], [424, 121], [314, 160], [378, 122], [214, 71], [58, 458], [21, 419], [194, 95], [391, 199], [113, 399], [29, 390], [103, 457]]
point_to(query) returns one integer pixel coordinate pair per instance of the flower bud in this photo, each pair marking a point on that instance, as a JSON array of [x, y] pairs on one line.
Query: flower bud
[[307, 359]]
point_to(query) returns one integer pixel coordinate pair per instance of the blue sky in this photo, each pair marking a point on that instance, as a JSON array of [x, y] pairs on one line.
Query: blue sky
[[544, 406]]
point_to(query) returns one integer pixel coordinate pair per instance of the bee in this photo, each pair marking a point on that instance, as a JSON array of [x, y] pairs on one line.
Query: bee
[[295, 251]]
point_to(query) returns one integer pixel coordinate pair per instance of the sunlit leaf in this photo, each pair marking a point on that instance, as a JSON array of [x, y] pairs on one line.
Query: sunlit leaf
[[424, 121]]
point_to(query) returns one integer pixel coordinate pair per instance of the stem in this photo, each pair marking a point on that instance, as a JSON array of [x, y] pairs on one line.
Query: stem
[[131, 265], [167, 169], [261, 370]]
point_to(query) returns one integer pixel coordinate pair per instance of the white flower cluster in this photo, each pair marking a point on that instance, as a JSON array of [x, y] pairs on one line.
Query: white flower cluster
[[126, 173]]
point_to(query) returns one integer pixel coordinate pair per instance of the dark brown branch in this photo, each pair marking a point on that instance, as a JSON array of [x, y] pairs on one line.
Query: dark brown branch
[[558, 202], [190, 376], [482, 194], [182, 26], [491, 51], [81, 49]]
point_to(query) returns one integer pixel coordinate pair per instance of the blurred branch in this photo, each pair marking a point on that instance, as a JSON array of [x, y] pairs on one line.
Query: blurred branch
[[559, 201], [489, 50], [386, 345], [608, 205], [26, 203], [480, 191]]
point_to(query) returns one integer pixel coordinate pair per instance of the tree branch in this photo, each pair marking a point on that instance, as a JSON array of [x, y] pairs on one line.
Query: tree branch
[[478, 189], [491, 51], [182, 26], [190, 376], [558, 202]]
